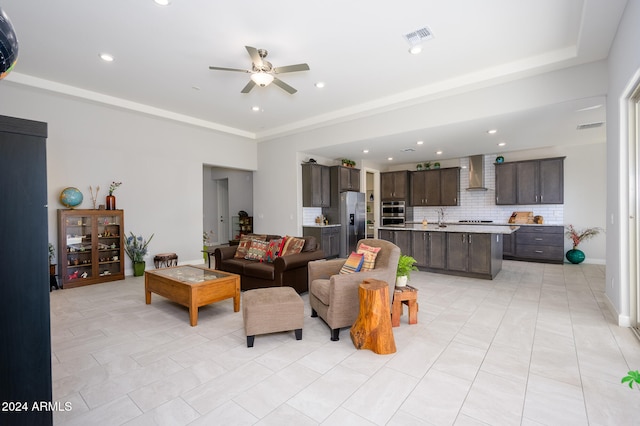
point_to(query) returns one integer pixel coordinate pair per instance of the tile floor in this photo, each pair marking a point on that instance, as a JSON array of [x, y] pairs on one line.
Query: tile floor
[[535, 346]]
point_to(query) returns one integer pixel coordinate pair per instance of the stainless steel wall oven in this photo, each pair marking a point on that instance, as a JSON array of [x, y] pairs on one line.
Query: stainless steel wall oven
[[393, 213]]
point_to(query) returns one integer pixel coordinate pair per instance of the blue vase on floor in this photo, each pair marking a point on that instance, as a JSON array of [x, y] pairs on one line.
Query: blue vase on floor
[[575, 256]]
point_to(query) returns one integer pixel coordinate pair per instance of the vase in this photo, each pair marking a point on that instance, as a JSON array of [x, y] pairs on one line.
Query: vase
[[138, 269], [499, 159], [111, 202], [401, 281], [575, 256]]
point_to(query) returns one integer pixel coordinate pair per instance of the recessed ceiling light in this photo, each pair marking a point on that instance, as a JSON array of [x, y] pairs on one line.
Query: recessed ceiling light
[[390, 158], [415, 50], [255, 108], [366, 151], [492, 131], [319, 84], [106, 57], [438, 152], [420, 142], [162, 2], [502, 144]]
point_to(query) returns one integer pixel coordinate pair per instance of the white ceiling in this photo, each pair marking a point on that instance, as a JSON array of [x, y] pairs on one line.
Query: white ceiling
[[357, 48]]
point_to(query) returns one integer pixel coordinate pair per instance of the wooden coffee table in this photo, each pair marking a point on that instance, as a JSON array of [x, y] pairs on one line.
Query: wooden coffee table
[[192, 286]]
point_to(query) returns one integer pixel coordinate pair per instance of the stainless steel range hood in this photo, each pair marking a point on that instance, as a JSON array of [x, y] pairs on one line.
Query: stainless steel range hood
[[476, 173]]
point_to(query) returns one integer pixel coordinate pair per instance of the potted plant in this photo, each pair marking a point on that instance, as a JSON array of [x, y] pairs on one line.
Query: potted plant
[[136, 249], [576, 236], [348, 163], [436, 165], [427, 165], [207, 241], [406, 264], [631, 378]]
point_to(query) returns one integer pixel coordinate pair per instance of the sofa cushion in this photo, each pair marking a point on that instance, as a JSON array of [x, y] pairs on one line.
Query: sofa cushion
[[235, 266], [310, 244], [261, 270], [370, 254], [273, 250], [320, 289], [353, 263], [257, 250], [292, 245]]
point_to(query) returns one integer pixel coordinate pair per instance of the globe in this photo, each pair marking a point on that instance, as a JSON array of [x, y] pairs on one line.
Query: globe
[[71, 197], [8, 45]]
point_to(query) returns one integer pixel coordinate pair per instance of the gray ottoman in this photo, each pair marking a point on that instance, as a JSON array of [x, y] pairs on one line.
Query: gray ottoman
[[273, 309]]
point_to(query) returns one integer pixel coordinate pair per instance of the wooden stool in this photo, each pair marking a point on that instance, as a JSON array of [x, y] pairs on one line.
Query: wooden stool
[[164, 260], [372, 329], [404, 295]]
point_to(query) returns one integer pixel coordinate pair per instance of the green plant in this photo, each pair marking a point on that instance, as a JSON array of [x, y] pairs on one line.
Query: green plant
[[427, 165], [406, 264], [631, 378], [136, 247], [52, 252], [114, 185], [347, 162]]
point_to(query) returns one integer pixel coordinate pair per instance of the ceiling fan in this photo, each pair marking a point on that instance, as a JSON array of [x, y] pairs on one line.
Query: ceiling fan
[[262, 71]]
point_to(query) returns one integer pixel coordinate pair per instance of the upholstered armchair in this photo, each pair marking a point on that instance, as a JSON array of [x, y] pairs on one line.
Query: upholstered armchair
[[334, 296]]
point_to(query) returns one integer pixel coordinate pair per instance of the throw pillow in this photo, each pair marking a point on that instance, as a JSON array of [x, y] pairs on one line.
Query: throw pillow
[[370, 254], [353, 263], [257, 250], [273, 250], [245, 243], [292, 245]]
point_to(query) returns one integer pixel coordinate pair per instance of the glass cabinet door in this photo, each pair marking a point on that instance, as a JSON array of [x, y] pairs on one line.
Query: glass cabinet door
[[78, 247], [109, 233]]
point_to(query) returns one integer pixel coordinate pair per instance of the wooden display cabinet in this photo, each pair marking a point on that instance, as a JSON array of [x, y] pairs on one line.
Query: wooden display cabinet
[[90, 246]]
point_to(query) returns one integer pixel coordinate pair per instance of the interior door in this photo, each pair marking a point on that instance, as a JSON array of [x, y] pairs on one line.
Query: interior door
[[224, 224]]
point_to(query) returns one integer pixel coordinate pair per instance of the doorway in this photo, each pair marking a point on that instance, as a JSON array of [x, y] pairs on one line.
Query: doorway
[[372, 191], [634, 209]]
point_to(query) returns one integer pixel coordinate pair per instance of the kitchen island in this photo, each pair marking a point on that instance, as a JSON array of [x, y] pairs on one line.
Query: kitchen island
[[464, 250]]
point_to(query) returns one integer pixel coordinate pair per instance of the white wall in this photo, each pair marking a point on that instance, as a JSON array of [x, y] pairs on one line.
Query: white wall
[[160, 163], [624, 68]]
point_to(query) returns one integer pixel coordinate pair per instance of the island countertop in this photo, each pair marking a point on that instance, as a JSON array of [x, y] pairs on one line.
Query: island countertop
[[470, 229]]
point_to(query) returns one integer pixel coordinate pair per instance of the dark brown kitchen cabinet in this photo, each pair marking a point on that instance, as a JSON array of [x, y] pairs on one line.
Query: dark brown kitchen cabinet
[[508, 245], [506, 184], [393, 186], [539, 243], [530, 182], [401, 238], [347, 178], [435, 187], [429, 249], [474, 253], [327, 236], [316, 185]]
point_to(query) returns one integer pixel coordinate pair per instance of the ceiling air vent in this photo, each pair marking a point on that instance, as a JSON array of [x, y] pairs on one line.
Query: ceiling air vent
[[407, 150], [418, 36], [589, 125]]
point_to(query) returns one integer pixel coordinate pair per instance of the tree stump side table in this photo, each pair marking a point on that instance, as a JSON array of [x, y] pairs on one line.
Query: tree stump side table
[[372, 329]]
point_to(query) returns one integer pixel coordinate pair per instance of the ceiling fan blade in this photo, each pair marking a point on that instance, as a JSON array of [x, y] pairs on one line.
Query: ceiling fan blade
[[284, 85], [228, 69], [250, 85], [255, 56], [291, 68]]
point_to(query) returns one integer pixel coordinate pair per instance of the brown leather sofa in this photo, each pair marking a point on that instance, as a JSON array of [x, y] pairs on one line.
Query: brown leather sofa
[[290, 270]]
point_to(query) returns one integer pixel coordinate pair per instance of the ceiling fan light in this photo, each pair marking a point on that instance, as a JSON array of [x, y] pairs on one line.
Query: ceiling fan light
[[262, 78]]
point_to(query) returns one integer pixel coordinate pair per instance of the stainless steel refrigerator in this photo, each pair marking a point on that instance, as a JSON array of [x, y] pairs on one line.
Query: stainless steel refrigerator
[[353, 220]]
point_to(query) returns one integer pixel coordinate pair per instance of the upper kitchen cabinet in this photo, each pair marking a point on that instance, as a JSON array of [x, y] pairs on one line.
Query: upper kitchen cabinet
[[530, 182], [316, 185], [348, 178], [393, 186], [435, 187]]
